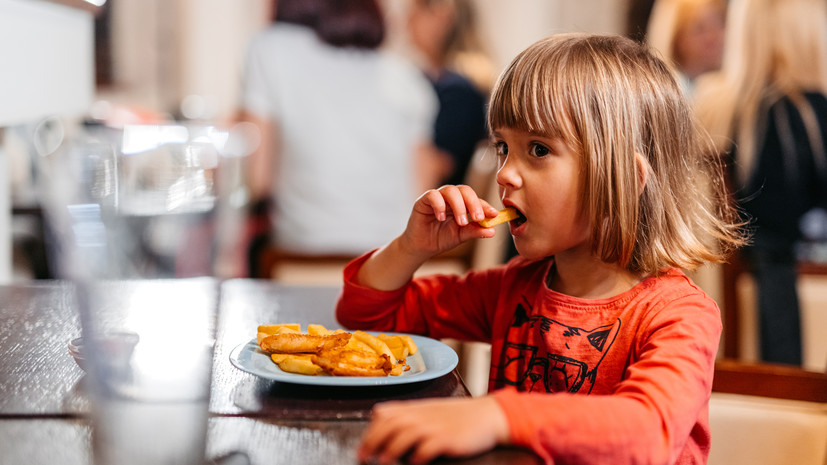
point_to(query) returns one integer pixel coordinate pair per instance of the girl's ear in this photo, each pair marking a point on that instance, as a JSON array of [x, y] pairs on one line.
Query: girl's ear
[[642, 172]]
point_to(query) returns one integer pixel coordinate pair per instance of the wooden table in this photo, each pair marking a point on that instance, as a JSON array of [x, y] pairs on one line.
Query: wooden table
[[44, 412]]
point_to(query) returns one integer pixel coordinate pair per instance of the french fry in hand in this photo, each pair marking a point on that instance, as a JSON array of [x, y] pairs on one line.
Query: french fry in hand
[[505, 215]]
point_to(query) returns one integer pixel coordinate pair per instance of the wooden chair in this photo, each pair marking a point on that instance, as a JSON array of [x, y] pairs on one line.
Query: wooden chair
[[731, 271], [769, 380], [732, 305]]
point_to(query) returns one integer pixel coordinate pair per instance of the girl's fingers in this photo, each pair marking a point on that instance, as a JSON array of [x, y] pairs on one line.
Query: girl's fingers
[[397, 446], [384, 428], [461, 202], [472, 203], [464, 203], [488, 209], [426, 451], [456, 202], [434, 199], [373, 442]]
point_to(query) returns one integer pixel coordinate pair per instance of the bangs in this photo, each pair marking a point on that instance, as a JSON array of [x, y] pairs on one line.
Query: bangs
[[530, 96]]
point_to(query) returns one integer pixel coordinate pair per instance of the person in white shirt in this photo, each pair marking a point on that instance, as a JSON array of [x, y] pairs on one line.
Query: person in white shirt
[[346, 127]]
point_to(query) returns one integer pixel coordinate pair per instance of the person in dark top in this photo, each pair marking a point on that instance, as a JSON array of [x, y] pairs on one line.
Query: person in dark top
[[460, 121], [444, 36], [783, 188], [768, 111]]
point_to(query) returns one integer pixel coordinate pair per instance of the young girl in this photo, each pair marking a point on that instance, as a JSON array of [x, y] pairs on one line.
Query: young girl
[[602, 349]]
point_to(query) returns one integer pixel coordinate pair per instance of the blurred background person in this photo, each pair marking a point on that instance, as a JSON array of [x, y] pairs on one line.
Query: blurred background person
[[444, 37], [346, 127], [689, 35], [767, 111]]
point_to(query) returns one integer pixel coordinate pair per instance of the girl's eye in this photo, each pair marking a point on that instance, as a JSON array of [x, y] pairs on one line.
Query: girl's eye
[[501, 147], [539, 150]]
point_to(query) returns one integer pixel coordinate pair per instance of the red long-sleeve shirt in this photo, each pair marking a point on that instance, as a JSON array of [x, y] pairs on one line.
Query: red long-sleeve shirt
[[625, 379]]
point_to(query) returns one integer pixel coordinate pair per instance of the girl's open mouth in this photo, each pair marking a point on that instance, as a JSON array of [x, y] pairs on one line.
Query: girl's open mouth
[[517, 222]]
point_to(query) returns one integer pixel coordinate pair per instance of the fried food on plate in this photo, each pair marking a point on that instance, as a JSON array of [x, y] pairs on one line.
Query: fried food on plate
[[346, 362], [267, 330], [376, 344], [300, 364], [398, 349], [506, 214], [337, 353], [356, 344], [273, 329], [297, 343], [408, 342]]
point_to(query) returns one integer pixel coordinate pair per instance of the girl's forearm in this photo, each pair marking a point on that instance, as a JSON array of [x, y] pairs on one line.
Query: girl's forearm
[[390, 267]]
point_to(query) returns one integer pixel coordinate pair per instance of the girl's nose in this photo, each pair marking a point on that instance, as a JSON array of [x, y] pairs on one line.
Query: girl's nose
[[508, 174]]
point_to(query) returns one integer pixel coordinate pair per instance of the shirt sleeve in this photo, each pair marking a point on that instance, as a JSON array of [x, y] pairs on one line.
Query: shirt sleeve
[[658, 404], [438, 306]]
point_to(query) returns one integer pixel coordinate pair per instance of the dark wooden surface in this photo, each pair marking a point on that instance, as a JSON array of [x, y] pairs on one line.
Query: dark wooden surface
[[37, 374], [43, 409]]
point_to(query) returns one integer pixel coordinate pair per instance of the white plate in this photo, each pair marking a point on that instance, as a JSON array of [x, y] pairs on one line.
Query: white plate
[[431, 360]]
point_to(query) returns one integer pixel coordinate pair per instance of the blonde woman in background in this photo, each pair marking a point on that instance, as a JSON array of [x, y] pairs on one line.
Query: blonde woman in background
[[689, 35], [767, 111]]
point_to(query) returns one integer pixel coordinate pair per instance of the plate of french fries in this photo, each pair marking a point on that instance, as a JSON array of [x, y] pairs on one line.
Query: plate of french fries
[[317, 355]]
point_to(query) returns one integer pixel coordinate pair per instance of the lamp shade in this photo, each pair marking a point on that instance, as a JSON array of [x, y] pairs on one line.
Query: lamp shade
[[46, 60]]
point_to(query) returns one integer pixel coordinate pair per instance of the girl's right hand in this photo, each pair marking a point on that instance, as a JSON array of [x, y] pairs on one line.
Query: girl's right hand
[[444, 218], [441, 220]]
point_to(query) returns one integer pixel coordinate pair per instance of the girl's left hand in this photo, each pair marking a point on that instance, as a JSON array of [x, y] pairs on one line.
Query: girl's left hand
[[426, 429]]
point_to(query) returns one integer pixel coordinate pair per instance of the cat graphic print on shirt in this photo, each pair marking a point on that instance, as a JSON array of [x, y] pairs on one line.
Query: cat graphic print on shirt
[[546, 355]]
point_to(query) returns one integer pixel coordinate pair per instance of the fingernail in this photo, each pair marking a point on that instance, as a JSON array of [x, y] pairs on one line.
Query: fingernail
[[463, 220], [478, 215]]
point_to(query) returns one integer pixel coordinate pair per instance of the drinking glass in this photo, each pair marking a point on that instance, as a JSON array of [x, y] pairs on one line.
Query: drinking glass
[[143, 222]]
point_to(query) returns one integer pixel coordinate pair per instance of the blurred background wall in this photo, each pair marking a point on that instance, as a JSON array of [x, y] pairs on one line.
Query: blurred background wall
[[164, 51]]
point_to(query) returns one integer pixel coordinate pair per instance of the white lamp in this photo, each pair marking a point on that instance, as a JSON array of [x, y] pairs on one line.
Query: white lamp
[[46, 60], [46, 68]]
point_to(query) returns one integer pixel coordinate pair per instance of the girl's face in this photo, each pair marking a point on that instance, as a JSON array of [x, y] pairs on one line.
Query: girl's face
[[541, 178]]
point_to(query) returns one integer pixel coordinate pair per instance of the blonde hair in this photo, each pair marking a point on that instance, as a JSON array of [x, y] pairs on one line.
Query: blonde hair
[[774, 48], [610, 99]]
